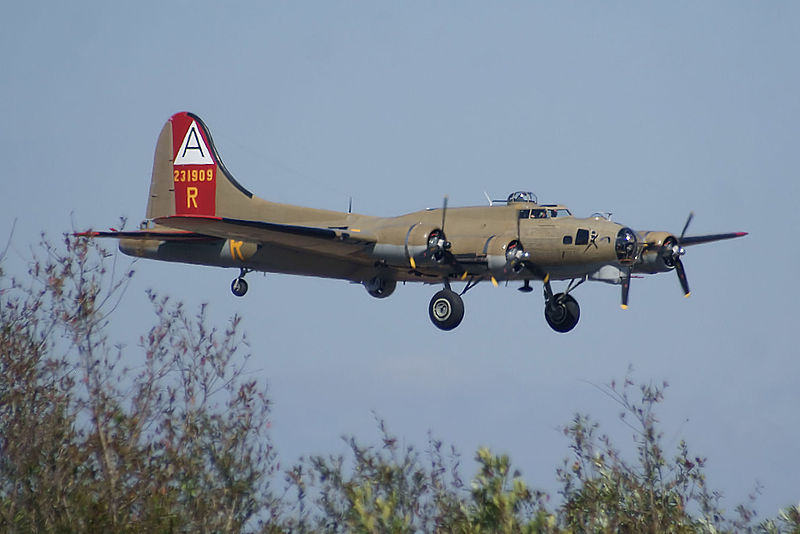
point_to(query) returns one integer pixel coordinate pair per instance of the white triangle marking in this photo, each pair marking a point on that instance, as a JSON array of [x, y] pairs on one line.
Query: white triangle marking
[[193, 150]]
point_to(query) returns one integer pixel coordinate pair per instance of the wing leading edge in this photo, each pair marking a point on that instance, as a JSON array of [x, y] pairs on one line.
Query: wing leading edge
[[700, 239]]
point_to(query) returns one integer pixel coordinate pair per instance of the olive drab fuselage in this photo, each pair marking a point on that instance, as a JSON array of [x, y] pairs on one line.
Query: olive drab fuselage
[[198, 213]]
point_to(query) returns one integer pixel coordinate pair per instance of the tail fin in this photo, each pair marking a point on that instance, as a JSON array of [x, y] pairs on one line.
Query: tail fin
[[189, 177]]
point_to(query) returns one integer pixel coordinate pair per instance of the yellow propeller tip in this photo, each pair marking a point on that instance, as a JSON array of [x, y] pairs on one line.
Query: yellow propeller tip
[[687, 295], [494, 281], [413, 264], [546, 278], [464, 276], [623, 306]]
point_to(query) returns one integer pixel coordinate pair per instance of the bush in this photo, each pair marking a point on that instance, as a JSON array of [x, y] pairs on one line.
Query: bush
[[181, 442], [86, 445]]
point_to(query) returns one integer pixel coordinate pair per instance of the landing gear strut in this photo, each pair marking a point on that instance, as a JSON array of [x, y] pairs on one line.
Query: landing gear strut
[[561, 311], [239, 286]]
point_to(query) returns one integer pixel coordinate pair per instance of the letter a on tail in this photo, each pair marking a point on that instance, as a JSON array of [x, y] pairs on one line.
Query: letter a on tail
[[194, 169]]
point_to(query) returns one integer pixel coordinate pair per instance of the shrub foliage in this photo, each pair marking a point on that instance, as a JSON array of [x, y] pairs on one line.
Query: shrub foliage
[[177, 440]]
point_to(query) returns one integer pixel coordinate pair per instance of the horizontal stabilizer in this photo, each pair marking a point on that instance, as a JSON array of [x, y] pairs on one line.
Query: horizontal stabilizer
[[144, 235]]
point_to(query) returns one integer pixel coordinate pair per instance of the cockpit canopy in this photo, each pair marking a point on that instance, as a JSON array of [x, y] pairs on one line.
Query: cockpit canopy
[[522, 196]]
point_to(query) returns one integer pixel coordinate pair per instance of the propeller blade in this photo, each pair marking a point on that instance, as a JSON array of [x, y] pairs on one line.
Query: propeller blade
[[686, 226], [444, 211], [626, 287], [682, 277]]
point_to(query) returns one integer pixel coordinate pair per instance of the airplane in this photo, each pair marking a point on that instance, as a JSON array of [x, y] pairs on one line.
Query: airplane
[[197, 213]]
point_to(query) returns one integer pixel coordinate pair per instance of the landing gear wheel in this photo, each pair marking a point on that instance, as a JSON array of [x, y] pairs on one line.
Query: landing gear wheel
[[446, 309], [562, 312], [239, 287]]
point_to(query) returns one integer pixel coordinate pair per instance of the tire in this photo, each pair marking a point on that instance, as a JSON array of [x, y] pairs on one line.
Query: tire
[[239, 287], [562, 313], [446, 310]]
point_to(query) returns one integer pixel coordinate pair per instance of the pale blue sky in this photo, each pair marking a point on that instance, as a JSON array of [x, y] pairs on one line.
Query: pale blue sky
[[647, 110]]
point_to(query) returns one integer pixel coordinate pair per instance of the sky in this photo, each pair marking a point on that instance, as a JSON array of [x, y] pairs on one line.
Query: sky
[[646, 110]]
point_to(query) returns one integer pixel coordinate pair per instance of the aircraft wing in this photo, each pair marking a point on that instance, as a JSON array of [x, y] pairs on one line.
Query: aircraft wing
[[700, 239], [337, 241]]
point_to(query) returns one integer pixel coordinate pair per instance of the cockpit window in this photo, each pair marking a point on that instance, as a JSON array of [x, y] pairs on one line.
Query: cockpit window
[[556, 211], [534, 214], [561, 212]]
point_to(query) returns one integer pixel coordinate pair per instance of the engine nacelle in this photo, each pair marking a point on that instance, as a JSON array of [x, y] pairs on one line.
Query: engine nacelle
[[423, 239], [380, 287], [654, 258], [497, 252]]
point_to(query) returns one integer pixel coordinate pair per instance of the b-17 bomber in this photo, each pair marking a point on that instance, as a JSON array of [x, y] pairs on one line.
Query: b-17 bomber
[[197, 213]]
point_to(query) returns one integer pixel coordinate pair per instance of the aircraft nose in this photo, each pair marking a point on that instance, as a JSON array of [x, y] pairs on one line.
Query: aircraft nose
[[626, 244]]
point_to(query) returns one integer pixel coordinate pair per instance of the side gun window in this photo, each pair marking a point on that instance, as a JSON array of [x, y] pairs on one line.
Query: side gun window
[[582, 237], [524, 214]]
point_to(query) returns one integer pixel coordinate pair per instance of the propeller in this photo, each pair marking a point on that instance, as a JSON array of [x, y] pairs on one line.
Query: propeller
[[626, 287], [516, 256], [629, 251], [671, 252], [437, 247], [517, 259]]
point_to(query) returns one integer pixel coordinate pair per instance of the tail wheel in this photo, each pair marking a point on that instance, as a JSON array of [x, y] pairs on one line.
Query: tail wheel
[[446, 309], [239, 287], [562, 312]]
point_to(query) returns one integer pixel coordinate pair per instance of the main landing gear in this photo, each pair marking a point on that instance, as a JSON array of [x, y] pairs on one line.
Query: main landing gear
[[446, 309], [561, 311], [239, 285]]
